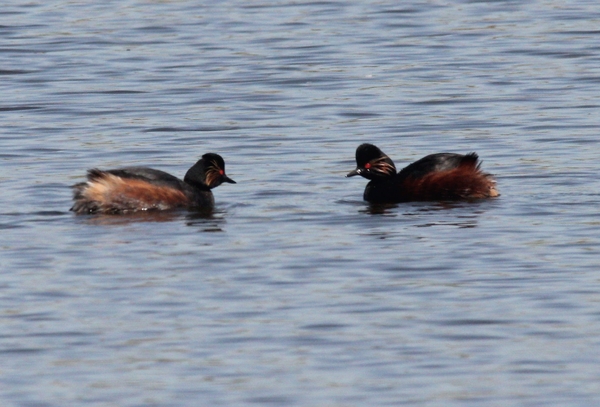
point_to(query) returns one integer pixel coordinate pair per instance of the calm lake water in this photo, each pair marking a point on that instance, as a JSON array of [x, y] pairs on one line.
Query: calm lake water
[[296, 292]]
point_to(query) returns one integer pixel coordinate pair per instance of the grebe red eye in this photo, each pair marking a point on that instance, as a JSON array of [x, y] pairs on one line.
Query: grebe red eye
[[221, 172], [367, 166]]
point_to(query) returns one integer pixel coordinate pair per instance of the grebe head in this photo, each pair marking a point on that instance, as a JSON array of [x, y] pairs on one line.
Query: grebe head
[[372, 163]]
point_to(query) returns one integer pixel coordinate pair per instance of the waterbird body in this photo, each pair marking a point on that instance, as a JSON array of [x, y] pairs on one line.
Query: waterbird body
[[140, 188], [436, 177]]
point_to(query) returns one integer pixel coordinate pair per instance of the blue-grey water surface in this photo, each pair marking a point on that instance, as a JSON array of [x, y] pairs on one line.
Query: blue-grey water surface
[[296, 292]]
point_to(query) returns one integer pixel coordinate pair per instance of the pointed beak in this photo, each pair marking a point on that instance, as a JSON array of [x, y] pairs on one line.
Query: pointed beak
[[353, 173], [227, 179]]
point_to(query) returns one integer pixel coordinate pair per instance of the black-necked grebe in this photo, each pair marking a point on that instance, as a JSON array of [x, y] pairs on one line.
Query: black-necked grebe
[[436, 177], [139, 188]]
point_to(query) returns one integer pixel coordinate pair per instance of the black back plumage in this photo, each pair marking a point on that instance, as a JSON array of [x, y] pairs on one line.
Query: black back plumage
[[437, 163]]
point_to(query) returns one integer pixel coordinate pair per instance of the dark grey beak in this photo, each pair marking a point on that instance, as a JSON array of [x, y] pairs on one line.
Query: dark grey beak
[[353, 173], [227, 179]]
